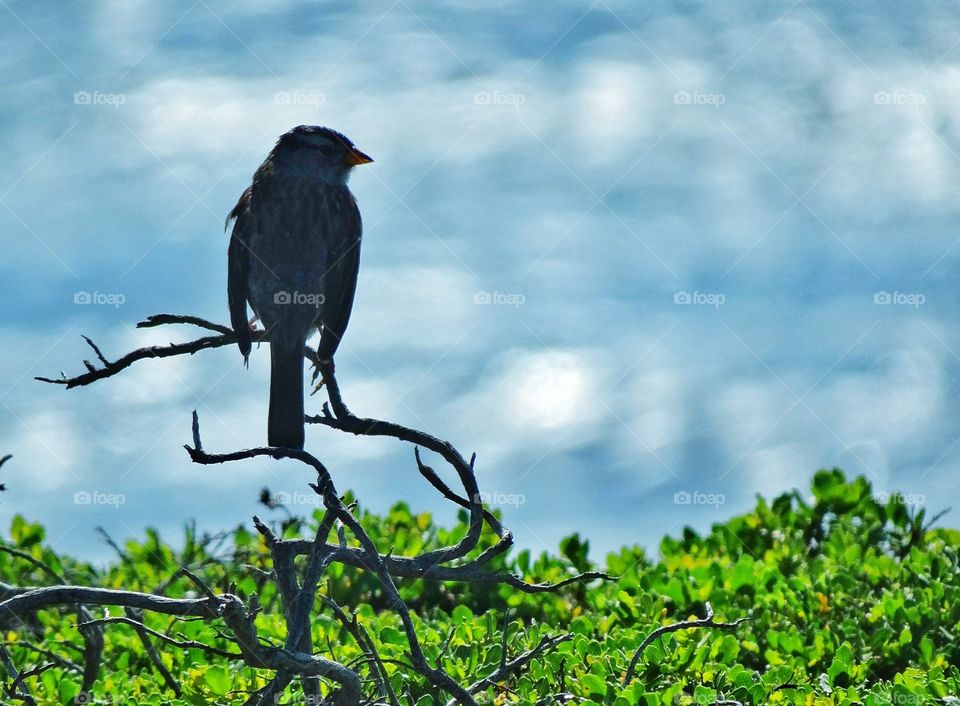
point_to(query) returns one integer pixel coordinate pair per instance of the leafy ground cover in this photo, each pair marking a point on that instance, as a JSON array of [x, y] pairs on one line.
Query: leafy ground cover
[[845, 598]]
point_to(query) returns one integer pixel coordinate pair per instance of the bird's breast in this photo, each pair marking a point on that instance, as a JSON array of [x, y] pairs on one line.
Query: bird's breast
[[298, 228]]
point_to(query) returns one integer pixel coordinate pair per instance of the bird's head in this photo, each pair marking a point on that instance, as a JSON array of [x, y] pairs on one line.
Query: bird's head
[[317, 153]]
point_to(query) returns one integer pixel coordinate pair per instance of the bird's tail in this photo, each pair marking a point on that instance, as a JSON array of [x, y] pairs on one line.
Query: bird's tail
[[285, 421]]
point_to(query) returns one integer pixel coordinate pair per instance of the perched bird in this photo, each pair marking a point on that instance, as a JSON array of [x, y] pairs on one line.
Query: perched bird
[[294, 255]]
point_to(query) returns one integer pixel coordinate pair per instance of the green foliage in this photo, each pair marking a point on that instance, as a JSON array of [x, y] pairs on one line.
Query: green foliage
[[848, 600]]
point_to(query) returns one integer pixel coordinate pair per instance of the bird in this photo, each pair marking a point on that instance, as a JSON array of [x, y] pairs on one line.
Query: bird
[[294, 256]]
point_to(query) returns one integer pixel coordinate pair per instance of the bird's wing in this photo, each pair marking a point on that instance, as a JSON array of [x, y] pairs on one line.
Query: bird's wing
[[340, 284], [238, 264]]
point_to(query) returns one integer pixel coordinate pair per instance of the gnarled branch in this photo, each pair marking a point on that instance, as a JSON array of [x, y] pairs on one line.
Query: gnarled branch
[[298, 594]]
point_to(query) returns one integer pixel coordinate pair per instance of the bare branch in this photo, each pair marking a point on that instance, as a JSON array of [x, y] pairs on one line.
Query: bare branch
[[112, 368], [295, 658], [109, 368], [29, 599], [182, 644], [62, 661], [372, 559], [143, 633], [40, 564], [346, 421], [707, 622], [164, 319], [15, 689], [506, 669], [92, 636], [371, 654]]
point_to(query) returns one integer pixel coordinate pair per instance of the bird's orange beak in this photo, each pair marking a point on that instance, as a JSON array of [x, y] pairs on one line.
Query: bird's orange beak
[[355, 157]]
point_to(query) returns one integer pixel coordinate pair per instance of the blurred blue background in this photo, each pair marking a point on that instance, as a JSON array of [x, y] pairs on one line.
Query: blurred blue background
[[647, 261]]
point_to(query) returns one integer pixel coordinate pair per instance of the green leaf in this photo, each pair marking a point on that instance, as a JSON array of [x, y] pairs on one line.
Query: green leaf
[[462, 614], [25, 534], [576, 550], [743, 573], [704, 695], [218, 679], [594, 684], [68, 690], [840, 667]]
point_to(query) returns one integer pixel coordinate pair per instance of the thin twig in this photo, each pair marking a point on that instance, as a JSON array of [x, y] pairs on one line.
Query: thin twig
[[143, 633], [15, 689], [363, 640], [182, 644], [62, 661], [506, 669], [707, 622]]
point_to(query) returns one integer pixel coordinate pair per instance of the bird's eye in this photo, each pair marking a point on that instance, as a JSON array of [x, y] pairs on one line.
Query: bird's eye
[[326, 151]]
